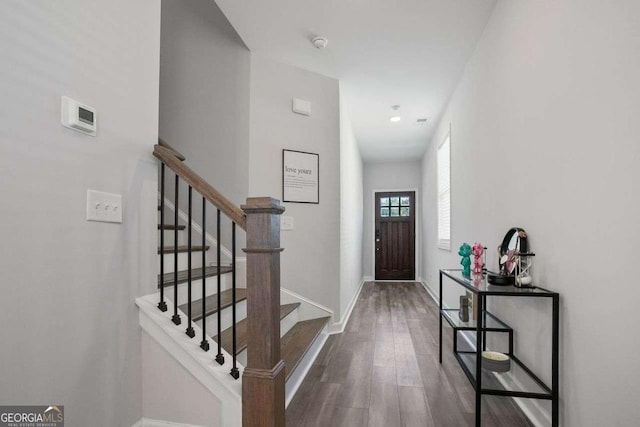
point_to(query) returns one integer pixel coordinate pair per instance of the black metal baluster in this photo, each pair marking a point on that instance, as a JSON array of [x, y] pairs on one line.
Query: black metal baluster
[[162, 305], [204, 344], [190, 332], [176, 317], [219, 356], [234, 370]]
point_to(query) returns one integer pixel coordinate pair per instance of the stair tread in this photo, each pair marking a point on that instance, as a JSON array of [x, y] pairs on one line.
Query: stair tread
[[184, 248], [211, 303], [241, 330], [296, 342], [196, 274], [171, 227]]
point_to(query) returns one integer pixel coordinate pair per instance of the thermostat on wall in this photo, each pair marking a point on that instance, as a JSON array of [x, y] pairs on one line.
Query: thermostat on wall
[[79, 117]]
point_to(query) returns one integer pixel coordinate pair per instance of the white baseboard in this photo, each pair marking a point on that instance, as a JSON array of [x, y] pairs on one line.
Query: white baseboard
[[307, 301], [368, 278], [147, 422], [338, 327], [530, 407], [430, 292]]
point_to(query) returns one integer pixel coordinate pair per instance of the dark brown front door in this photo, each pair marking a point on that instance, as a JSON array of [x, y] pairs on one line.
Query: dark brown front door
[[395, 236]]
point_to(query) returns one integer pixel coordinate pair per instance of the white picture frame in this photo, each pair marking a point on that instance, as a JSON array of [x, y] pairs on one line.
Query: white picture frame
[[300, 177]]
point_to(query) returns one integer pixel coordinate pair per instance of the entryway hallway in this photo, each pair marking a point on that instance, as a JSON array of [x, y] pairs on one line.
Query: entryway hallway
[[384, 371]]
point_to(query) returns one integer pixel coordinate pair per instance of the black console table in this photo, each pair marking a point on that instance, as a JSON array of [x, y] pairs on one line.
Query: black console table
[[528, 385]]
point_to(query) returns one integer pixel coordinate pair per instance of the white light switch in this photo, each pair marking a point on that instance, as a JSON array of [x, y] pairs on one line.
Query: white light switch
[[286, 222], [104, 207]]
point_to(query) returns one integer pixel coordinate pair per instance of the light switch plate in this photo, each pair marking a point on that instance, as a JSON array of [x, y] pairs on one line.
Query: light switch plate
[[286, 223], [104, 207]]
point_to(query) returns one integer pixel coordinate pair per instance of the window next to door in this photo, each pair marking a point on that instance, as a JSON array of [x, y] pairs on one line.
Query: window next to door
[[444, 193]]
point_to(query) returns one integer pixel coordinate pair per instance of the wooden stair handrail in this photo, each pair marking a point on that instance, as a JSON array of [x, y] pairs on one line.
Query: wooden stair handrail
[[165, 144], [169, 158]]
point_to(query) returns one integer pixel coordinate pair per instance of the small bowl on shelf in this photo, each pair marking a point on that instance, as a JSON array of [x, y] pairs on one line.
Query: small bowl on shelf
[[496, 361]]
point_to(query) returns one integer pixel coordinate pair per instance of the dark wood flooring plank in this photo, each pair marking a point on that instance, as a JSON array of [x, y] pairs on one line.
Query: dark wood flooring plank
[[350, 417], [384, 410], [384, 375], [414, 409], [297, 410], [390, 340], [407, 370], [356, 393], [328, 351], [321, 414]]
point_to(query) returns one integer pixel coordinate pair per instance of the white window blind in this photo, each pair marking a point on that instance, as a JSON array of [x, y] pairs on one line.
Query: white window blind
[[444, 194]]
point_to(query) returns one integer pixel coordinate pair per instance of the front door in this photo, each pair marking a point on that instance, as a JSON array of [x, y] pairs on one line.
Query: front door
[[395, 235]]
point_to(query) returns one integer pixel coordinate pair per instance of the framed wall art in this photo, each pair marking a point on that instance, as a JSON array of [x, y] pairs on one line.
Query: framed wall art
[[300, 177]]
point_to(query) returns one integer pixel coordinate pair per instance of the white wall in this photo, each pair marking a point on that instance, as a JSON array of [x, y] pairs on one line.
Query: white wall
[[310, 261], [351, 199], [204, 93], [70, 332], [204, 103], [545, 136], [172, 393], [382, 177]]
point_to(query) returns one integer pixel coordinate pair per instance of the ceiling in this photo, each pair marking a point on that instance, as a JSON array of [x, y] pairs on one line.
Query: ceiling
[[400, 52]]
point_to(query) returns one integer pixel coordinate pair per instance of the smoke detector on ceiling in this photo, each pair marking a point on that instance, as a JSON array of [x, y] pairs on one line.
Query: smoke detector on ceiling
[[319, 42]]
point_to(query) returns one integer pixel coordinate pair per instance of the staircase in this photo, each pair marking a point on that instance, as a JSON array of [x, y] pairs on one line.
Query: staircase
[[231, 307]]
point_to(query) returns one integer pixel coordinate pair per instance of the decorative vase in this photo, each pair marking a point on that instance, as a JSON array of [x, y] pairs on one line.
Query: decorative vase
[[523, 269]]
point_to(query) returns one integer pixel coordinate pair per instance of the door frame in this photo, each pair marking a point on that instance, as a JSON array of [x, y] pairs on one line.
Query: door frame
[[418, 233]]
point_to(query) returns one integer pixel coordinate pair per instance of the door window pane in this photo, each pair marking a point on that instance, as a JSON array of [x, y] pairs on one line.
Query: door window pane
[[404, 211], [395, 201], [404, 201], [384, 201], [384, 211], [395, 211]]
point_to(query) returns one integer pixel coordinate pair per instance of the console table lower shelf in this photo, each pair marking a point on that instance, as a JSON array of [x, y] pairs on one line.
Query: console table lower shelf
[[520, 381]]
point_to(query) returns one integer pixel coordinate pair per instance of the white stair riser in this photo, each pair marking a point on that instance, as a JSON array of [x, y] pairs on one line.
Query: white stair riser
[[289, 322], [212, 320], [183, 260], [182, 238], [196, 288]]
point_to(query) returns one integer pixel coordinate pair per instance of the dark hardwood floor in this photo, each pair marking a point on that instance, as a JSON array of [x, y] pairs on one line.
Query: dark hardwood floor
[[384, 371]]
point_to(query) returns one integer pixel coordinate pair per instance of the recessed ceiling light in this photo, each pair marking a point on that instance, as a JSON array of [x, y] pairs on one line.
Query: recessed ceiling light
[[396, 117]]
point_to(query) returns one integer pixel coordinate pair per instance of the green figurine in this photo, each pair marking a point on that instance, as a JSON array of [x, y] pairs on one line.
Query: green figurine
[[465, 253]]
